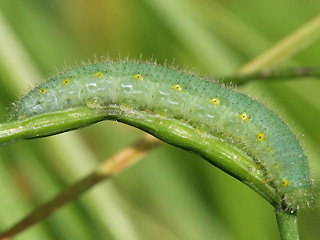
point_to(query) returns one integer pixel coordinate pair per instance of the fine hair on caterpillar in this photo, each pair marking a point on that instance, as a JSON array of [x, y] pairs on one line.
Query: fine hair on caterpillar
[[131, 91]]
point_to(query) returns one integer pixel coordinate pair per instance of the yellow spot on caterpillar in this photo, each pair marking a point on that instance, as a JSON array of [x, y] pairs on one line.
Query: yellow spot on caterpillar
[[215, 101], [284, 182], [43, 90], [66, 81], [177, 88], [138, 76], [244, 116], [276, 166], [99, 74], [260, 137]]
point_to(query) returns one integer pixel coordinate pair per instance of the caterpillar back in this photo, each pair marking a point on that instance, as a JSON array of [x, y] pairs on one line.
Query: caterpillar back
[[210, 108]]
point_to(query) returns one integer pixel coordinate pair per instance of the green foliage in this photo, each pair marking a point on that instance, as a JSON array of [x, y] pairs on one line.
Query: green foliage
[[170, 195]]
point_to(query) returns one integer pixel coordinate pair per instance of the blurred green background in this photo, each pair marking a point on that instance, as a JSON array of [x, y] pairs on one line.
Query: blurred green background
[[171, 194]]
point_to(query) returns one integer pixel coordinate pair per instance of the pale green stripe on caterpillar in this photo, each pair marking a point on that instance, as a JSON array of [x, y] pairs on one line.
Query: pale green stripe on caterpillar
[[211, 110]]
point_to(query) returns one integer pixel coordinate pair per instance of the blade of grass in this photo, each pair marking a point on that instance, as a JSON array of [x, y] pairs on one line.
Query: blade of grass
[[14, 59], [107, 169], [35, 176], [222, 21], [285, 48], [13, 204], [208, 49], [275, 75]]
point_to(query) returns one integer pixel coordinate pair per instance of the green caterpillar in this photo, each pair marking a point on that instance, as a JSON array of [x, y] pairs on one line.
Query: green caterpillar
[[206, 106]]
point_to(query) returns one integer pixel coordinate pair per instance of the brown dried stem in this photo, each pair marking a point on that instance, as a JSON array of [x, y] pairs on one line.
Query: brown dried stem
[[115, 164]]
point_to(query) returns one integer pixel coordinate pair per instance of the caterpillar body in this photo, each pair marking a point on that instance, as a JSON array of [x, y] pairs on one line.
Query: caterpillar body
[[209, 107]]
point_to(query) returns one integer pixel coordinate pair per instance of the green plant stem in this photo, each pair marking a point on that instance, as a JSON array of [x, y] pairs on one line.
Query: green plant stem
[[117, 163], [288, 225], [228, 157], [274, 74]]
